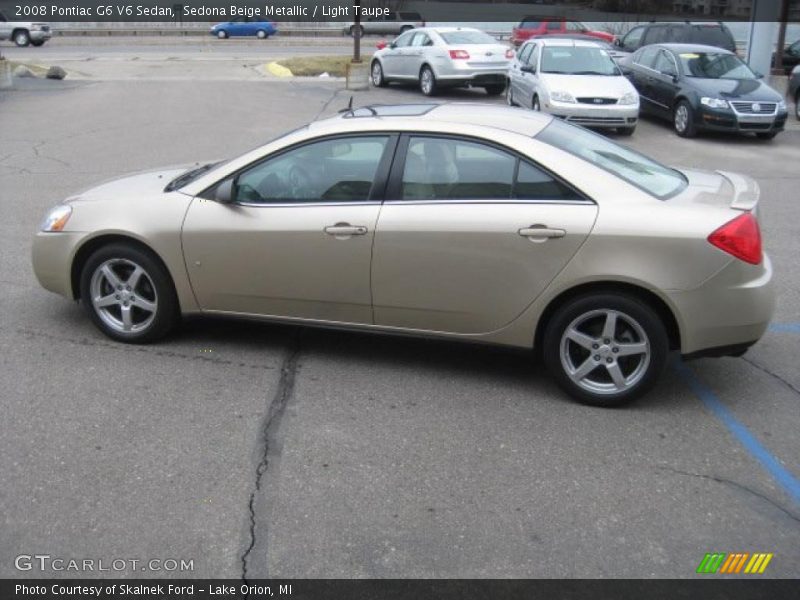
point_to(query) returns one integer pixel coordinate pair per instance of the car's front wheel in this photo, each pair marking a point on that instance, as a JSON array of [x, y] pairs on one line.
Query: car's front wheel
[[222, 34], [427, 81], [605, 349], [378, 79], [22, 38], [128, 294], [683, 120], [261, 34]]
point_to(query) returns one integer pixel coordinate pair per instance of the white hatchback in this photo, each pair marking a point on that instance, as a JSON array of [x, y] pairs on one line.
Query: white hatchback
[[575, 80]]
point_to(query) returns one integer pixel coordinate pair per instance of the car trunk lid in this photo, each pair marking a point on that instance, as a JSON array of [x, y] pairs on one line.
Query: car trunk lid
[[721, 189]]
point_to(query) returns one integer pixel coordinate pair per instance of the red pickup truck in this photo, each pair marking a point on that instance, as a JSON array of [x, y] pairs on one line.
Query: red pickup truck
[[533, 26]]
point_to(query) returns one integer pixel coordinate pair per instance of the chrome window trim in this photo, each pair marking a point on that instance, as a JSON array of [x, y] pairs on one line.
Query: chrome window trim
[[300, 203], [485, 201]]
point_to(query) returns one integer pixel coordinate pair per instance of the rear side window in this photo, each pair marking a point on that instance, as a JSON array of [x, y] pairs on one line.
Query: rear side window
[[647, 57], [449, 169], [712, 36], [657, 34]]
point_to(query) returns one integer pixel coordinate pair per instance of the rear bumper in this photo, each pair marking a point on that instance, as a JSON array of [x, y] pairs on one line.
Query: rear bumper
[[473, 77], [727, 313]]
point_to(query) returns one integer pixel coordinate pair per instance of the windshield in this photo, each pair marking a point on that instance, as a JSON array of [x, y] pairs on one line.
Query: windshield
[[645, 173], [467, 37], [578, 60], [714, 65]]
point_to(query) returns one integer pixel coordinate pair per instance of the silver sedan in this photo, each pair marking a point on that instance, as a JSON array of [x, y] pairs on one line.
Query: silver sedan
[[438, 57]]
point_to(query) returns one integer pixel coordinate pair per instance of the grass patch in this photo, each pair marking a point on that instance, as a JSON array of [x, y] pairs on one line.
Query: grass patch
[[311, 66]]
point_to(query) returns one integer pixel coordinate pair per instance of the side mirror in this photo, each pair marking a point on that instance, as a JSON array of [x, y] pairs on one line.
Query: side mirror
[[381, 45], [225, 192], [392, 45], [618, 42], [528, 69]]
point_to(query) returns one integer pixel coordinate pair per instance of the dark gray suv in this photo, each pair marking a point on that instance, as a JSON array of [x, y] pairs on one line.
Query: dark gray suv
[[707, 34]]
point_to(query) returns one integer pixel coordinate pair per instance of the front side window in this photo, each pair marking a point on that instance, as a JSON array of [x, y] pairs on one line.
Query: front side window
[[334, 170], [524, 53], [554, 26], [449, 169], [530, 24], [637, 169], [714, 65]]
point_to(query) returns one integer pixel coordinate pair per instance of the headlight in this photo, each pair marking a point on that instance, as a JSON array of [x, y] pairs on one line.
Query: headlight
[[562, 97], [714, 102], [629, 98], [782, 105], [57, 218]]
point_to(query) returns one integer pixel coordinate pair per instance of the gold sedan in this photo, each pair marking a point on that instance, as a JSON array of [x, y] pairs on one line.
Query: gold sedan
[[471, 222]]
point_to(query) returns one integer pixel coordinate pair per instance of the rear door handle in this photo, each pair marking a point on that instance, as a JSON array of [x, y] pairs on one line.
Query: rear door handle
[[345, 229], [541, 233]]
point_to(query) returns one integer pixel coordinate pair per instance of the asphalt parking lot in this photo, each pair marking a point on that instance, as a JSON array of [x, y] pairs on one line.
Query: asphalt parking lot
[[264, 450]]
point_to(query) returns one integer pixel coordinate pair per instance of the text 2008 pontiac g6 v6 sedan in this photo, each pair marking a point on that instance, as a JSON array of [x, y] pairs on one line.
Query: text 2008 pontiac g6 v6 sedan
[[464, 221]]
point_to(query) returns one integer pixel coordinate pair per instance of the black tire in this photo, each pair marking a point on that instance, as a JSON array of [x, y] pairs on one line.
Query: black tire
[[797, 105], [535, 104], [376, 74], [687, 129], [21, 38], [154, 286], [261, 34], [626, 131], [643, 368], [353, 30], [766, 135], [510, 95], [427, 81], [38, 44], [495, 89], [222, 34]]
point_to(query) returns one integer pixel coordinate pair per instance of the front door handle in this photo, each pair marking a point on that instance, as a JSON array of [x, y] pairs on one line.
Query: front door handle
[[345, 230], [541, 233]]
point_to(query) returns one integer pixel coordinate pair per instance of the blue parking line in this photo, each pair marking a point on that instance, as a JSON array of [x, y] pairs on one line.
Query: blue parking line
[[785, 327], [787, 481]]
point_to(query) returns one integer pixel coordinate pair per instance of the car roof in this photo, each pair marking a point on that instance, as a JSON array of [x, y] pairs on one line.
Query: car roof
[[563, 41], [428, 116], [693, 48]]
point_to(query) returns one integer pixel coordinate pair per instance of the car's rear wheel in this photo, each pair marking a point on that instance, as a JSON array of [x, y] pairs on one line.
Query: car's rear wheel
[[261, 34], [495, 89], [22, 38], [683, 120], [605, 349], [128, 294], [377, 74], [427, 81], [222, 34], [535, 104], [354, 29], [510, 95]]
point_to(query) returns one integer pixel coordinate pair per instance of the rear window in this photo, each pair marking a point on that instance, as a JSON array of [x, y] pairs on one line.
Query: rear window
[[467, 37], [712, 36], [643, 172]]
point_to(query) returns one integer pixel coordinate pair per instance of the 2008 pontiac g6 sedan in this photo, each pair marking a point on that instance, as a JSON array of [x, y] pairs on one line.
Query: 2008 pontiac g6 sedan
[[470, 222]]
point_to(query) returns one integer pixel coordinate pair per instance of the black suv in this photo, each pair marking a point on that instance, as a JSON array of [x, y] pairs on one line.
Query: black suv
[[708, 34]]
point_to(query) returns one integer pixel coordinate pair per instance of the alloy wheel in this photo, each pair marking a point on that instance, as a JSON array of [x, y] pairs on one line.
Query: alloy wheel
[[427, 82], [377, 74], [681, 118], [605, 351], [123, 295]]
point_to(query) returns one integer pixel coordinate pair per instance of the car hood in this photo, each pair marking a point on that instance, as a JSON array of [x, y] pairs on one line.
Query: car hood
[[736, 89], [148, 183], [589, 85]]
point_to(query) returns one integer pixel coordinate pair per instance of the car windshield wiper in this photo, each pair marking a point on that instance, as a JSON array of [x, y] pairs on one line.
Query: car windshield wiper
[[594, 73], [189, 176]]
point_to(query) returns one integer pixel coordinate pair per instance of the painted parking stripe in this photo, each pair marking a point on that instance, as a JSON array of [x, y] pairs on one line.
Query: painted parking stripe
[[784, 327], [785, 479]]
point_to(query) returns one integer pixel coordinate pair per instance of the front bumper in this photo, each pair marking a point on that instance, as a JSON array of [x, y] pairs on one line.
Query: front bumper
[[38, 35], [728, 120], [607, 115], [52, 256], [731, 310]]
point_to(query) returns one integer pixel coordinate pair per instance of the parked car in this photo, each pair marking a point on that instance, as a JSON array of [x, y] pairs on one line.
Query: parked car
[[791, 56], [612, 49], [245, 27], [703, 87], [471, 222], [393, 23], [536, 26], [794, 90], [439, 57], [574, 80], [705, 33], [24, 33]]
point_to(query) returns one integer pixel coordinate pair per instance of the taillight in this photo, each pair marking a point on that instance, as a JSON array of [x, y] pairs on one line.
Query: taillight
[[509, 53], [740, 237], [459, 54]]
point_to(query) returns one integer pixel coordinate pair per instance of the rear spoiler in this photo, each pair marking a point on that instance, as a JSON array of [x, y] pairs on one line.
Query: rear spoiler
[[745, 191]]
